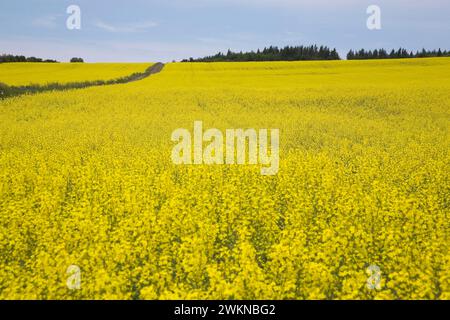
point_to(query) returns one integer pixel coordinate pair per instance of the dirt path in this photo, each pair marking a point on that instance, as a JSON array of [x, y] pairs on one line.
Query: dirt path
[[156, 68]]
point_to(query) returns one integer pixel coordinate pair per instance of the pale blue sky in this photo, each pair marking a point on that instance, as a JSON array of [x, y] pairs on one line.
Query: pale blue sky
[[152, 30]]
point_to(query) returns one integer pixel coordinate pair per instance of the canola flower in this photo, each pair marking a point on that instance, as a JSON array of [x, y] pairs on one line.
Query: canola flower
[[20, 74], [86, 179]]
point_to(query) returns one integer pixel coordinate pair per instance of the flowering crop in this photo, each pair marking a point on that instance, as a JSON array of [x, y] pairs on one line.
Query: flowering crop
[[20, 74], [86, 180]]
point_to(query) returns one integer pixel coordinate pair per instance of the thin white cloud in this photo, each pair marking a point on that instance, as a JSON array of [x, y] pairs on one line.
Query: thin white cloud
[[126, 28], [45, 22], [302, 4], [231, 38], [268, 3], [212, 40]]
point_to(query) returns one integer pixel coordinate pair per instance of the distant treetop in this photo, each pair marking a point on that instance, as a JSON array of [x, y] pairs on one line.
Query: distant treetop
[[272, 53], [76, 60]]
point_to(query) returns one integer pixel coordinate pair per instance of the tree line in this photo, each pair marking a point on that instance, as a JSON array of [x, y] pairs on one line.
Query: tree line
[[314, 52], [8, 58], [273, 53], [395, 54], [4, 58]]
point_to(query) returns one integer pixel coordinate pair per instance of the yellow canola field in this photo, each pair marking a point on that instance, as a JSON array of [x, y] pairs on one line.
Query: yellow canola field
[[19, 74], [86, 179]]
